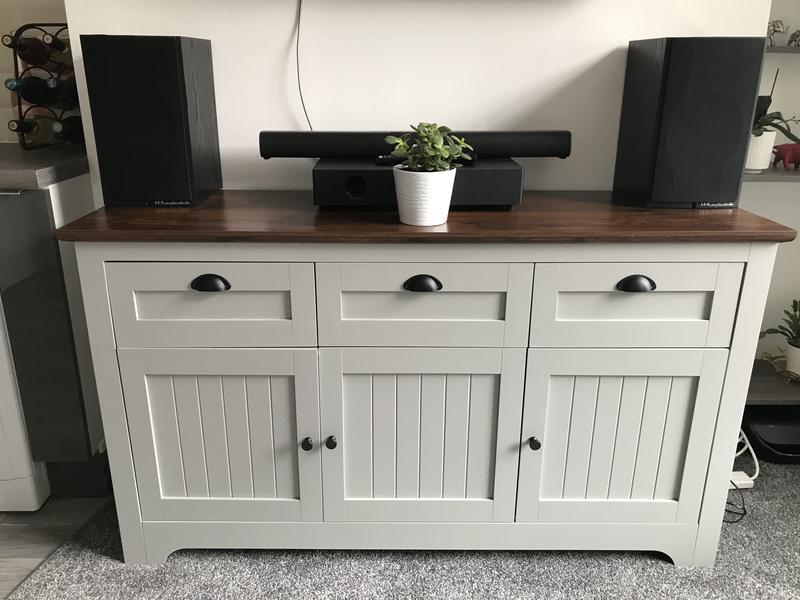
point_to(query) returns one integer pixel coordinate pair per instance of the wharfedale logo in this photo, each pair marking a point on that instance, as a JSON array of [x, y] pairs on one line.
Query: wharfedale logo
[[170, 203], [716, 205]]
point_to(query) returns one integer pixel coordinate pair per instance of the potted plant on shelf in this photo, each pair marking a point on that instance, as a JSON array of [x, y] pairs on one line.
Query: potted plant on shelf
[[790, 329], [424, 180], [766, 126]]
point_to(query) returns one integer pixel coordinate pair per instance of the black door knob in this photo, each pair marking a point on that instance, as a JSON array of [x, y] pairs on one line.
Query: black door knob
[[534, 444], [210, 282], [330, 443], [422, 283], [307, 444], [636, 283]]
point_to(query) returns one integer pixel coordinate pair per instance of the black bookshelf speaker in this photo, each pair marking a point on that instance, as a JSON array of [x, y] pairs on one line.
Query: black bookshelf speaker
[[687, 112], [154, 118]]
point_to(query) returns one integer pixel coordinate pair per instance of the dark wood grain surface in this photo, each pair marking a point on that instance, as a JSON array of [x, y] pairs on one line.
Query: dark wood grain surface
[[282, 216]]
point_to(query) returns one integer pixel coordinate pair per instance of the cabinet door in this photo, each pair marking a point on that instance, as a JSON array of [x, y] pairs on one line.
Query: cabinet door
[[216, 434], [625, 434], [423, 434]]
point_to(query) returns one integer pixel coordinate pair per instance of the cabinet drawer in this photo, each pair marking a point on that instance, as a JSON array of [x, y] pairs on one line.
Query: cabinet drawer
[[484, 305], [579, 305], [154, 305]]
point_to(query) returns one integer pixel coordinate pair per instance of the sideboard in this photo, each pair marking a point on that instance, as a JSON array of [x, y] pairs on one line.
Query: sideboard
[[568, 375]]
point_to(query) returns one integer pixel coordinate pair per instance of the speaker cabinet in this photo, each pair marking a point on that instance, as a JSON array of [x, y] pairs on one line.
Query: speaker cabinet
[[687, 113], [491, 183], [154, 118]]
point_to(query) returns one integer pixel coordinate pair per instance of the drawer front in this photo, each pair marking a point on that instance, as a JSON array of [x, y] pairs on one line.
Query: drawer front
[[268, 304], [578, 305], [486, 305]]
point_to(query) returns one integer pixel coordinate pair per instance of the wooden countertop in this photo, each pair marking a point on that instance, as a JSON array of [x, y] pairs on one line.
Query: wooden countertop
[[31, 169], [282, 216]]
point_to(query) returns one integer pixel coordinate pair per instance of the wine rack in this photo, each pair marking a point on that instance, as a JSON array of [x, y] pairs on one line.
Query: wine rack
[[51, 116]]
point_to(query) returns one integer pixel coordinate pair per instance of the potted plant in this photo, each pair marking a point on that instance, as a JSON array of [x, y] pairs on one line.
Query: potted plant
[[790, 329], [424, 180], [766, 126]]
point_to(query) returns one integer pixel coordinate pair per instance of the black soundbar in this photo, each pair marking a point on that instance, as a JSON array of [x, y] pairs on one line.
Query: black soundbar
[[370, 144]]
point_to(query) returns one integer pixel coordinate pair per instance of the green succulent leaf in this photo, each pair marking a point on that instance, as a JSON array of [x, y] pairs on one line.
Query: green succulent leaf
[[429, 147]]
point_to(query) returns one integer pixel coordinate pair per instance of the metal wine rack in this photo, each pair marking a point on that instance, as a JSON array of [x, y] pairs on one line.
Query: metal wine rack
[[62, 71]]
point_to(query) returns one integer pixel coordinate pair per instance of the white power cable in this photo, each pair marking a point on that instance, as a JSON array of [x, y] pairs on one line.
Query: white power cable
[[749, 447]]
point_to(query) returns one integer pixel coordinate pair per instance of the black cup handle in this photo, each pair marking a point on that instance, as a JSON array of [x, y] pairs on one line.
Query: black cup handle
[[636, 284], [422, 283], [210, 282]]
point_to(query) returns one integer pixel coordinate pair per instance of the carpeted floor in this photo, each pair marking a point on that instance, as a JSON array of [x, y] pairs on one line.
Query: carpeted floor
[[759, 558]]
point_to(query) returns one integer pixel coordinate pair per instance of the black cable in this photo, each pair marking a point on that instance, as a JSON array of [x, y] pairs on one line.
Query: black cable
[[737, 512], [297, 62]]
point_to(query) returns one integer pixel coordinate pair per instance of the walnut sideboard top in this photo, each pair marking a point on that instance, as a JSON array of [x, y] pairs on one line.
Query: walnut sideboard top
[[290, 216]]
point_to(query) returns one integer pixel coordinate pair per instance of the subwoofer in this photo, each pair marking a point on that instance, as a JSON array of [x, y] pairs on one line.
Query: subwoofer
[[687, 111], [154, 118]]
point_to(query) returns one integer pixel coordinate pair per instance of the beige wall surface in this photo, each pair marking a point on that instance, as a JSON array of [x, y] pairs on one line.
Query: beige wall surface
[[369, 64]]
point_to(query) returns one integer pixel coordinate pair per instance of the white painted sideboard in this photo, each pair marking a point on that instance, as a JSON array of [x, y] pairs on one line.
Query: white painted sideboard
[[527, 404]]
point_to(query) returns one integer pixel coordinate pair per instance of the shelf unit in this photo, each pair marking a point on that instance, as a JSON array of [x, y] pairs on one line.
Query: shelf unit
[[773, 176], [776, 175], [783, 50]]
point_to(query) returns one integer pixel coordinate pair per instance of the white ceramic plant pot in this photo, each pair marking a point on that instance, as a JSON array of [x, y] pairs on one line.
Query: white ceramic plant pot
[[423, 198], [759, 152], [793, 359]]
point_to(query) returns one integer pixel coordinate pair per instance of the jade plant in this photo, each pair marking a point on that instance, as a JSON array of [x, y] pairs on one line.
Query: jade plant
[[429, 147], [790, 328]]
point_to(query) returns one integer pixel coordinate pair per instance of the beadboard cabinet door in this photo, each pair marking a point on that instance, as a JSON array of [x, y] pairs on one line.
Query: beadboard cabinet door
[[618, 436], [422, 434], [216, 434]]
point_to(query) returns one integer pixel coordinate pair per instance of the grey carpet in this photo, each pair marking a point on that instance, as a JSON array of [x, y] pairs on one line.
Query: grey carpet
[[759, 558]]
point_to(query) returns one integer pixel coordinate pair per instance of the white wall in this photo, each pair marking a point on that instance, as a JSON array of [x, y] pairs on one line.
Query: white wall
[[377, 64]]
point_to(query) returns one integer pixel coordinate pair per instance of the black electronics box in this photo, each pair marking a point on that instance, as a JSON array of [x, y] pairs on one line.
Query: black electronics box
[[687, 112], [492, 183], [154, 118]]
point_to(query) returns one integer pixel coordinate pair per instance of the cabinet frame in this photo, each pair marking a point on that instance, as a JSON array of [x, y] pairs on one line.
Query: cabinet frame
[[150, 542]]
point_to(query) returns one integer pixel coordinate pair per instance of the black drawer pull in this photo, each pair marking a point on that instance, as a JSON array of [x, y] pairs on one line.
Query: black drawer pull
[[331, 443], [636, 284], [422, 283], [534, 444], [210, 282], [307, 444]]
